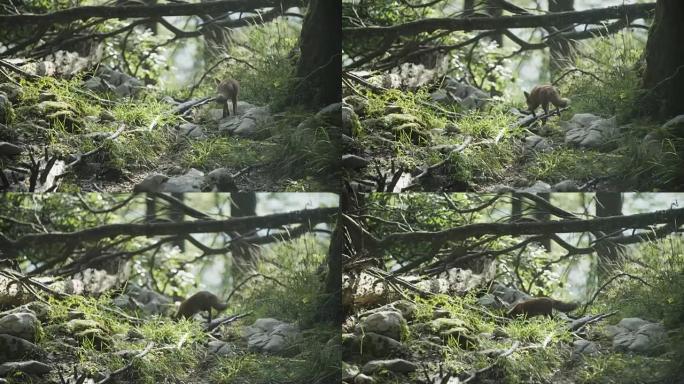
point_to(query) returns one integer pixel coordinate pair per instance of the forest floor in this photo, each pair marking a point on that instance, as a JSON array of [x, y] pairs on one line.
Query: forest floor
[[429, 145], [78, 134]]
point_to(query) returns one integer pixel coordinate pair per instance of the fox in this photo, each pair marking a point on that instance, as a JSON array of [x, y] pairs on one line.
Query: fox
[[543, 95], [200, 301], [540, 306], [228, 90]]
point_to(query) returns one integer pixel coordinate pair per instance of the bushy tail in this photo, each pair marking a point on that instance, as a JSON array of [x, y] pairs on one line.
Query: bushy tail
[[564, 102], [220, 306], [562, 306]]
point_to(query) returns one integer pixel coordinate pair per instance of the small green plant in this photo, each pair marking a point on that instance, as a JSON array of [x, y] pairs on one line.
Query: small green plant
[[223, 152], [576, 164]]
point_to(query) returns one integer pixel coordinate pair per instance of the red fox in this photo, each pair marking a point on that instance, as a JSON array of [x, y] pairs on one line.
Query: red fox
[[228, 90], [543, 95], [200, 301], [539, 306]]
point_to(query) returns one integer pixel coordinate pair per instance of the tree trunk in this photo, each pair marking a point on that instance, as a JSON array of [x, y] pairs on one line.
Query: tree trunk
[[560, 49], [244, 254], [176, 214], [494, 10], [664, 75], [319, 68], [541, 214], [468, 7], [331, 310], [608, 204]]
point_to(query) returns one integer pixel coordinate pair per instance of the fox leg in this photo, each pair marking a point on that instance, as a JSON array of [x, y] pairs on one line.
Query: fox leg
[[226, 112]]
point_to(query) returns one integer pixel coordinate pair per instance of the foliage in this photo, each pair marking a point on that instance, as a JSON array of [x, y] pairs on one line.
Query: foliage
[[305, 148], [390, 213], [263, 62], [300, 290], [573, 164], [615, 60], [139, 146], [623, 369], [535, 364], [139, 52], [222, 151]]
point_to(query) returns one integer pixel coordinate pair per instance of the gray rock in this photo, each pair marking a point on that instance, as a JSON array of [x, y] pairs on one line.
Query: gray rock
[[405, 307], [363, 379], [585, 130], [49, 107], [349, 371], [637, 335], [24, 325], [455, 92], [350, 122], [271, 336], [13, 91], [358, 104], [674, 122], [79, 325], [249, 124], [489, 301], [151, 184], [123, 301], [95, 84], [536, 143], [9, 149], [12, 348], [120, 83], [191, 181], [330, 110], [46, 68], [387, 323], [219, 180], [353, 162], [565, 186], [441, 96], [222, 348], [585, 347], [30, 367], [191, 130], [394, 365], [37, 308], [371, 345], [508, 294], [538, 187]]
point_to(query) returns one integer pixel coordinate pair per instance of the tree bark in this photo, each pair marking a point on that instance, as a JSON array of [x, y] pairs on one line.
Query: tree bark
[[542, 215], [177, 215], [319, 68], [494, 10], [608, 204], [560, 49], [468, 7], [663, 79], [243, 204]]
